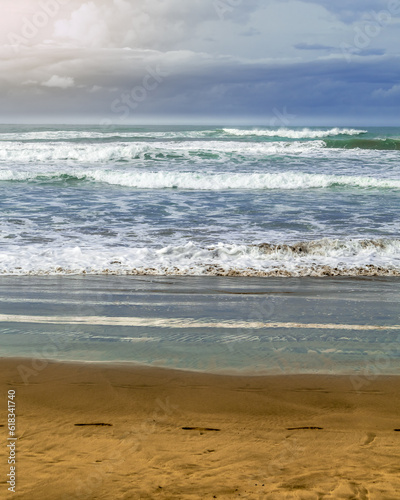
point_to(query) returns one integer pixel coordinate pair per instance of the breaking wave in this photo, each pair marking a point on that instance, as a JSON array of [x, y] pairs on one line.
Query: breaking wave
[[126, 152], [202, 181], [326, 257], [284, 133]]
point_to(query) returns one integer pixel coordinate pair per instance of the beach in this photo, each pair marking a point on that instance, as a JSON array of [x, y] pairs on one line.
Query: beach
[[199, 250], [194, 312], [101, 431]]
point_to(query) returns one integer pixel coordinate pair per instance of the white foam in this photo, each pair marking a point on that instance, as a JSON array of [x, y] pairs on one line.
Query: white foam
[[185, 323], [327, 256], [304, 133], [203, 181], [242, 181]]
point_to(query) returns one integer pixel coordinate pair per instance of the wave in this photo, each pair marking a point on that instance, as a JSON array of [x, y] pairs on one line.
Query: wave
[[380, 144], [123, 152], [325, 257], [285, 133], [70, 135], [77, 135], [185, 151], [204, 181], [188, 152], [122, 146]]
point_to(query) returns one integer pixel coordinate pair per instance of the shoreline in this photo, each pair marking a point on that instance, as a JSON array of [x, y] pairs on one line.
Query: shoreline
[[365, 372], [215, 270], [95, 430]]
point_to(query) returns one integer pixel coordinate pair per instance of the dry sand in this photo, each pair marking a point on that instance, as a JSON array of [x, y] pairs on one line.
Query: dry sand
[[180, 435]]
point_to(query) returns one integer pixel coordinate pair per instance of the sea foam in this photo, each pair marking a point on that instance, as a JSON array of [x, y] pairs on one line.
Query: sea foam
[[304, 133], [313, 258]]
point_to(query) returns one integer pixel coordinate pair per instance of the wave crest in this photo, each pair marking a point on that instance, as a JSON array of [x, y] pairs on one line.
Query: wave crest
[[285, 133], [203, 181]]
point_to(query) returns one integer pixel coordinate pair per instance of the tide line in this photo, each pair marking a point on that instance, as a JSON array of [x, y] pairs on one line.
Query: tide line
[[180, 323]]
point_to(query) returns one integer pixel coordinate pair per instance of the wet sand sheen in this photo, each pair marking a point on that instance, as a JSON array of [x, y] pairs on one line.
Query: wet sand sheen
[[124, 432]]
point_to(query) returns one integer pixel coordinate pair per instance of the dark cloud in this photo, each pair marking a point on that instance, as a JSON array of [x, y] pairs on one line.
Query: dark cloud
[[204, 87], [371, 52]]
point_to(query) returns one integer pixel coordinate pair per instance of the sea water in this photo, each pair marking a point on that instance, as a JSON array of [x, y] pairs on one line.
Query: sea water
[[199, 201]]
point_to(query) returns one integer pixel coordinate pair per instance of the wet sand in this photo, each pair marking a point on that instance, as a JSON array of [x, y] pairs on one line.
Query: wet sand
[[101, 431]]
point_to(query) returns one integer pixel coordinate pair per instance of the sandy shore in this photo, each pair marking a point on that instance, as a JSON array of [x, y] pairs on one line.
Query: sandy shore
[[178, 435]]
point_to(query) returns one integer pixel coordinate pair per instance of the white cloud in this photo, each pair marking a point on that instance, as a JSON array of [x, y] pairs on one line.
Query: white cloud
[[151, 24], [86, 26], [62, 82]]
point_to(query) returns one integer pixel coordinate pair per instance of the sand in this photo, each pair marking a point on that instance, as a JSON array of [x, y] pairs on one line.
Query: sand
[[168, 434]]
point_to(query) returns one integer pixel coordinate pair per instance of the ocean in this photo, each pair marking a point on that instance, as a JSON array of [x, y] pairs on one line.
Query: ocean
[[199, 201], [258, 250]]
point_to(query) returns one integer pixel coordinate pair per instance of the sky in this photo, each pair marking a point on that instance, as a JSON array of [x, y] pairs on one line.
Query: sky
[[271, 62]]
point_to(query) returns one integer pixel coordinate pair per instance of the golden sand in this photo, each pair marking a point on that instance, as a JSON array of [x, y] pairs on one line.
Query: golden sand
[[96, 431]]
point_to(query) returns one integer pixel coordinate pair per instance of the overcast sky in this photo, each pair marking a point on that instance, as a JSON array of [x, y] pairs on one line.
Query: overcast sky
[[279, 62]]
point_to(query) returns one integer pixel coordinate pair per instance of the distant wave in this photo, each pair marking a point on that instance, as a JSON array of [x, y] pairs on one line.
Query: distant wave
[[326, 257], [204, 181], [285, 133], [106, 135], [109, 134]]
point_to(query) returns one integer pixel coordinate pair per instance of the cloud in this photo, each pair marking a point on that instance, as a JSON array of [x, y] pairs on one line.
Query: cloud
[[312, 46], [152, 24], [61, 82], [349, 12], [263, 55], [85, 25]]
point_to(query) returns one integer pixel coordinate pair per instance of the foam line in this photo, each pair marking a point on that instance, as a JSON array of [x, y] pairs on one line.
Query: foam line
[[180, 323]]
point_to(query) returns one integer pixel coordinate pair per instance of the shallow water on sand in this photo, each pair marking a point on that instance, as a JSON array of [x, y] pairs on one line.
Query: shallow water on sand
[[215, 324]]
